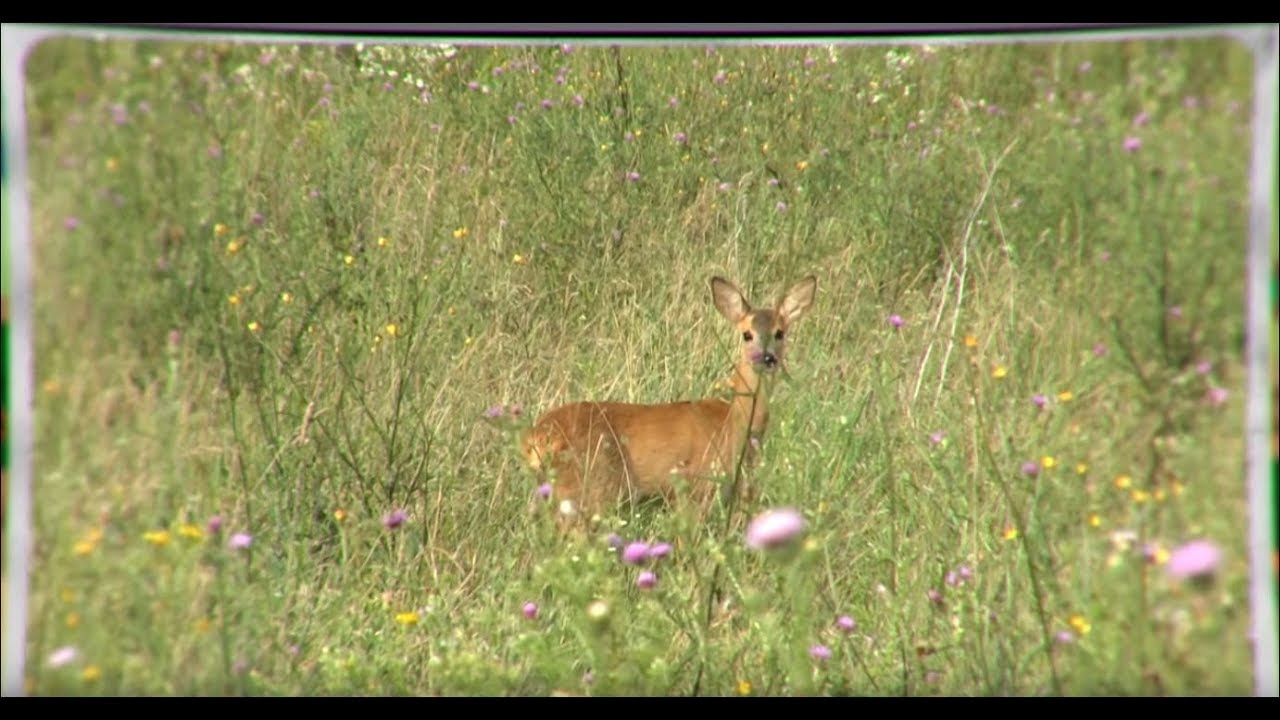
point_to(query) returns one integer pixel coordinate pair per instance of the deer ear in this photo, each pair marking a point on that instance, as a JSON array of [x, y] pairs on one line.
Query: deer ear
[[798, 299], [729, 300]]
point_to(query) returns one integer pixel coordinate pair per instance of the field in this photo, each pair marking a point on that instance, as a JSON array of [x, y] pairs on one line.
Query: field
[[294, 304]]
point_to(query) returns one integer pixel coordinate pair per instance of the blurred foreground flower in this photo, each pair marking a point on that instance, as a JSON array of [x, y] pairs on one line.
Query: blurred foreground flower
[[774, 528], [1196, 560]]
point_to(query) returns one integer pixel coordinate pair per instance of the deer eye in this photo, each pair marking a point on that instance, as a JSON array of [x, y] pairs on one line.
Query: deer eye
[[778, 335], [747, 336]]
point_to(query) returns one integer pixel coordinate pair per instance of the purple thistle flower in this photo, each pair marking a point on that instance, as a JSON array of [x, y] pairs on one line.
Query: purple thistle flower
[[719, 78], [71, 223], [780, 207], [1215, 396], [896, 320], [1065, 637], [547, 104], [494, 411], [646, 580], [240, 541], [1141, 119], [1197, 559], [633, 176], [473, 85], [774, 182], [846, 624], [544, 490], [681, 138], [215, 525], [937, 437], [635, 553], [257, 218], [1030, 468], [1132, 143], [821, 653], [673, 101], [952, 578], [1039, 400], [1190, 102], [119, 114], [774, 528], [1204, 367], [964, 572], [615, 541], [1175, 312], [578, 100], [1099, 349], [660, 551], [1085, 67], [387, 87], [394, 519], [530, 610], [934, 596]]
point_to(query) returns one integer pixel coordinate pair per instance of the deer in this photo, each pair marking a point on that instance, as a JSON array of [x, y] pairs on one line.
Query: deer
[[598, 453]]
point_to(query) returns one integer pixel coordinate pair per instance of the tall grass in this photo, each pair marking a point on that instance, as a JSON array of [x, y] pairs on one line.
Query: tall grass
[[280, 286]]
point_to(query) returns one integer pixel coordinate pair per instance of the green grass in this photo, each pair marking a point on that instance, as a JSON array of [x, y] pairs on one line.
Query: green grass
[[213, 340]]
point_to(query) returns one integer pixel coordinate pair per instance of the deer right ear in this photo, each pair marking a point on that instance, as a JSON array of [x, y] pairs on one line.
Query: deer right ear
[[729, 300], [798, 299]]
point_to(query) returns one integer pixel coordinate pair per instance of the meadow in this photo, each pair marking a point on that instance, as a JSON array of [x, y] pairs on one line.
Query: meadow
[[294, 303]]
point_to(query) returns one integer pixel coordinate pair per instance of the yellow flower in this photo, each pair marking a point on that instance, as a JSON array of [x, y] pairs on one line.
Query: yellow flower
[[73, 620], [811, 545], [91, 674], [999, 372], [468, 341], [971, 341], [157, 537], [1047, 462], [67, 595], [1079, 624], [393, 330], [1095, 520], [452, 311], [1122, 482], [1010, 533], [286, 297], [407, 618], [339, 514], [1065, 396], [802, 165], [233, 299], [193, 532], [1160, 556], [1159, 495], [1140, 496], [219, 230], [461, 233], [349, 259], [1176, 488], [112, 164], [84, 547], [383, 242], [519, 259], [1081, 468], [254, 326], [234, 246], [203, 626], [744, 687]]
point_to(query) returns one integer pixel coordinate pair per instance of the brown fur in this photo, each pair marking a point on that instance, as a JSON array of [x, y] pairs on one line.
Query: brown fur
[[599, 453]]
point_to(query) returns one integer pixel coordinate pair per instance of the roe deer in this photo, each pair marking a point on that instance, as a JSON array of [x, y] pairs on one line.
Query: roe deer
[[601, 452]]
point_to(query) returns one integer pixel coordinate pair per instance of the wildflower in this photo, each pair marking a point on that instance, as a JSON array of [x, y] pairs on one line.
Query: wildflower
[[530, 610], [646, 580], [1215, 396], [1065, 396], [952, 578], [203, 625], [460, 233], [189, 531], [240, 541], [1132, 144], [494, 411], [934, 596], [340, 514], [821, 653], [1141, 119], [802, 165], [547, 104], [615, 541], [1099, 349], [233, 299], [1065, 637], [1122, 482], [544, 490], [896, 321], [1204, 367], [846, 624], [1081, 468], [598, 610], [635, 553], [1079, 624], [744, 686], [633, 176], [1030, 468], [1155, 553], [254, 326], [937, 437], [999, 372], [1195, 560], [91, 674], [64, 655], [719, 78], [112, 164], [393, 330], [1175, 312], [71, 223], [971, 341], [780, 207], [1140, 496], [219, 230], [407, 618], [1010, 533], [159, 538], [774, 528], [257, 218], [1039, 400], [214, 525], [286, 297], [680, 138], [394, 519], [72, 620], [349, 259], [519, 259], [659, 551], [1094, 520]]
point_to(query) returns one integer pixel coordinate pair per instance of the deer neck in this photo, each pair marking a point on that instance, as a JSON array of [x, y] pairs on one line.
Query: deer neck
[[750, 402]]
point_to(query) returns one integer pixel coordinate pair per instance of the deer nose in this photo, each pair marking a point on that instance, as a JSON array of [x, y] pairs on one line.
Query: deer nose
[[769, 359]]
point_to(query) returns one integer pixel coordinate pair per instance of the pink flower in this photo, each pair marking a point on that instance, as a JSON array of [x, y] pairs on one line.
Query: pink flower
[[635, 553], [774, 528], [1215, 396], [394, 519], [821, 653], [1039, 400], [544, 490], [240, 541], [646, 580], [659, 551], [531, 610], [1196, 559], [1132, 143], [215, 524], [896, 320], [846, 624]]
